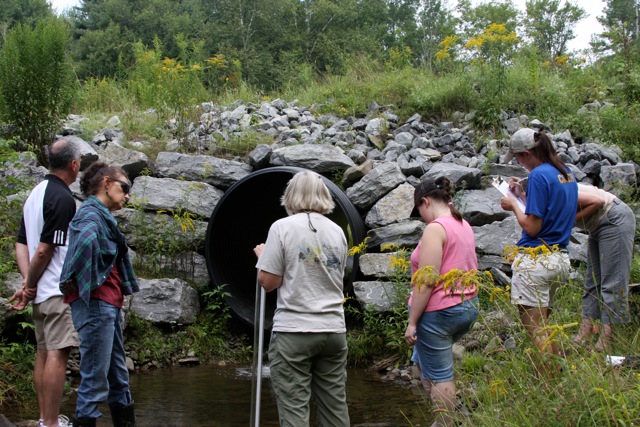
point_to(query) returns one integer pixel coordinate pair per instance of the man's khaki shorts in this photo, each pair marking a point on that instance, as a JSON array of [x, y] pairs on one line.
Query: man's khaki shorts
[[53, 325]]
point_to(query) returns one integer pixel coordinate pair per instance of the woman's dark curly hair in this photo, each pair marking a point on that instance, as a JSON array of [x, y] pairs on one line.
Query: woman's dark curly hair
[[93, 175]]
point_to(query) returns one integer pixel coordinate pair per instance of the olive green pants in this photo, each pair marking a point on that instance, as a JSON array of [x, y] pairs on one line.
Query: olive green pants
[[306, 364]]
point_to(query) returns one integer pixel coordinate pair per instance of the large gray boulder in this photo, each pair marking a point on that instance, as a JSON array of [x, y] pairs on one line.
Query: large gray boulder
[[154, 194], [376, 264], [379, 296], [220, 173], [394, 207], [403, 234], [492, 238], [377, 183], [317, 157], [165, 229], [166, 301], [133, 162], [619, 179], [460, 176], [88, 153], [481, 207]]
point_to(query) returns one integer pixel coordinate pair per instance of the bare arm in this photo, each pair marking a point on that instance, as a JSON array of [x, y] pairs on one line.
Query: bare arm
[[268, 281], [38, 264], [22, 296], [588, 204], [531, 224], [432, 242], [22, 259]]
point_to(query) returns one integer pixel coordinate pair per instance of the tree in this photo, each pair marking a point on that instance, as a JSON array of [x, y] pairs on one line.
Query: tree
[[401, 22], [621, 21], [26, 12], [551, 25], [436, 23], [37, 82], [622, 27], [474, 20]]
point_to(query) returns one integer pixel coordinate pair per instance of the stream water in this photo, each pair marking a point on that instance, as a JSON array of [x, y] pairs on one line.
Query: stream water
[[221, 396]]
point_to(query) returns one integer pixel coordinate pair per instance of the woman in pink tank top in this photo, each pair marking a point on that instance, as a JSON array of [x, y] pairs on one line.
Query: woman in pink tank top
[[439, 317]]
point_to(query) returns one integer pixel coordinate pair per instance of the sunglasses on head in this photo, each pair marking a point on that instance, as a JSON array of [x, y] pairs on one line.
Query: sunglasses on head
[[126, 187]]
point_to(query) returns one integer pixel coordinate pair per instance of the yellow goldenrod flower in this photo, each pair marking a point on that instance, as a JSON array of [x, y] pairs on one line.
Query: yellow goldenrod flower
[[359, 249]]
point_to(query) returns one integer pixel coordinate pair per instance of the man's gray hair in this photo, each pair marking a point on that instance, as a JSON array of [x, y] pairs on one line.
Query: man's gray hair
[[62, 153]]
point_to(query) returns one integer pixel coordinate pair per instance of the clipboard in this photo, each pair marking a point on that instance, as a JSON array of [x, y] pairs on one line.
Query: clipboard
[[503, 187]]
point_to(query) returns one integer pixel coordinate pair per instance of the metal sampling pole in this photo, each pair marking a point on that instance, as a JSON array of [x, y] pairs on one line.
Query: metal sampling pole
[[258, 344]]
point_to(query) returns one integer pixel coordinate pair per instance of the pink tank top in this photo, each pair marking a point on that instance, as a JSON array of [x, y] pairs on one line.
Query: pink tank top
[[459, 252]]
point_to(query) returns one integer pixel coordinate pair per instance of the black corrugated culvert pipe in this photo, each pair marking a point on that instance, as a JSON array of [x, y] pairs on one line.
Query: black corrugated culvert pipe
[[241, 220]]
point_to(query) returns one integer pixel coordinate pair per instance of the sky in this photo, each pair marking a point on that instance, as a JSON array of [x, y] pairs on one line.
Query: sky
[[584, 29], [61, 5]]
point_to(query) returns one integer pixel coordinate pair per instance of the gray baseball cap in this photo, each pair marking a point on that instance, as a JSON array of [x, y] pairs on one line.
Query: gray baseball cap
[[521, 141]]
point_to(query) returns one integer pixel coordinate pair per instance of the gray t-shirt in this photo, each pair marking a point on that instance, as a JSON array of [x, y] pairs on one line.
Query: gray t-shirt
[[312, 266]]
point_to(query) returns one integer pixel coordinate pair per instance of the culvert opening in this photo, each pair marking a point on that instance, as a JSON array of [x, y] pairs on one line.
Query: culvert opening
[[241, 220]]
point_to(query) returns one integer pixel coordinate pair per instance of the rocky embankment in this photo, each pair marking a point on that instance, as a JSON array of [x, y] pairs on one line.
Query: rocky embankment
[[376, 158]]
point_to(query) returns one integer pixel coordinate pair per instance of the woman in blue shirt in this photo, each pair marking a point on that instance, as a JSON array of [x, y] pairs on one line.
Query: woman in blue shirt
[[551, 203]]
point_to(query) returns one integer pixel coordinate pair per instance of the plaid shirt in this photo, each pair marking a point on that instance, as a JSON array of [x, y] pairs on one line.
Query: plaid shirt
[[95, 246]]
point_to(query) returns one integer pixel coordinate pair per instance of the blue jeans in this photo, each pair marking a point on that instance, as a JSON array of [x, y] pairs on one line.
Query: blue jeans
[[103, 370], [437, 331]]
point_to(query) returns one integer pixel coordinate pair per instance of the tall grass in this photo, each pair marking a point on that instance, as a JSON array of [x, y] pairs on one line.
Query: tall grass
[[503, 387]]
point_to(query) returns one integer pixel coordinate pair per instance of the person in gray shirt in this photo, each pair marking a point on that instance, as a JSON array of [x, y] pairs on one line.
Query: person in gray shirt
[[304, 259]]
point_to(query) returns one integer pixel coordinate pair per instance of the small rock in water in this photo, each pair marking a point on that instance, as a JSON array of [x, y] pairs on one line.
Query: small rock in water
[[189, 361]]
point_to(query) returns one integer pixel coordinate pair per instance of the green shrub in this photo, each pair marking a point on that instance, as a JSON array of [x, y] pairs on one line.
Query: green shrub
[[440, 96], [102, 96], [37, 83]]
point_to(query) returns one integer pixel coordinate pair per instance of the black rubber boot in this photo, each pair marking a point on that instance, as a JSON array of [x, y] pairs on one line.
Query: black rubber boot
[[122, 416], [84, 422]]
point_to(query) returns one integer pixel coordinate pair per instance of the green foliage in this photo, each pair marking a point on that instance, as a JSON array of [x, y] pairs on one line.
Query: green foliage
[[165, 242], [153, 344], [25, 12], [478, 17], [437, 23], [439, 97], [37, 81], [207, 338], [102, 95], [611, 125], [16, 376], [11, 207], [375, 334], [378, 333], [635, 269]]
